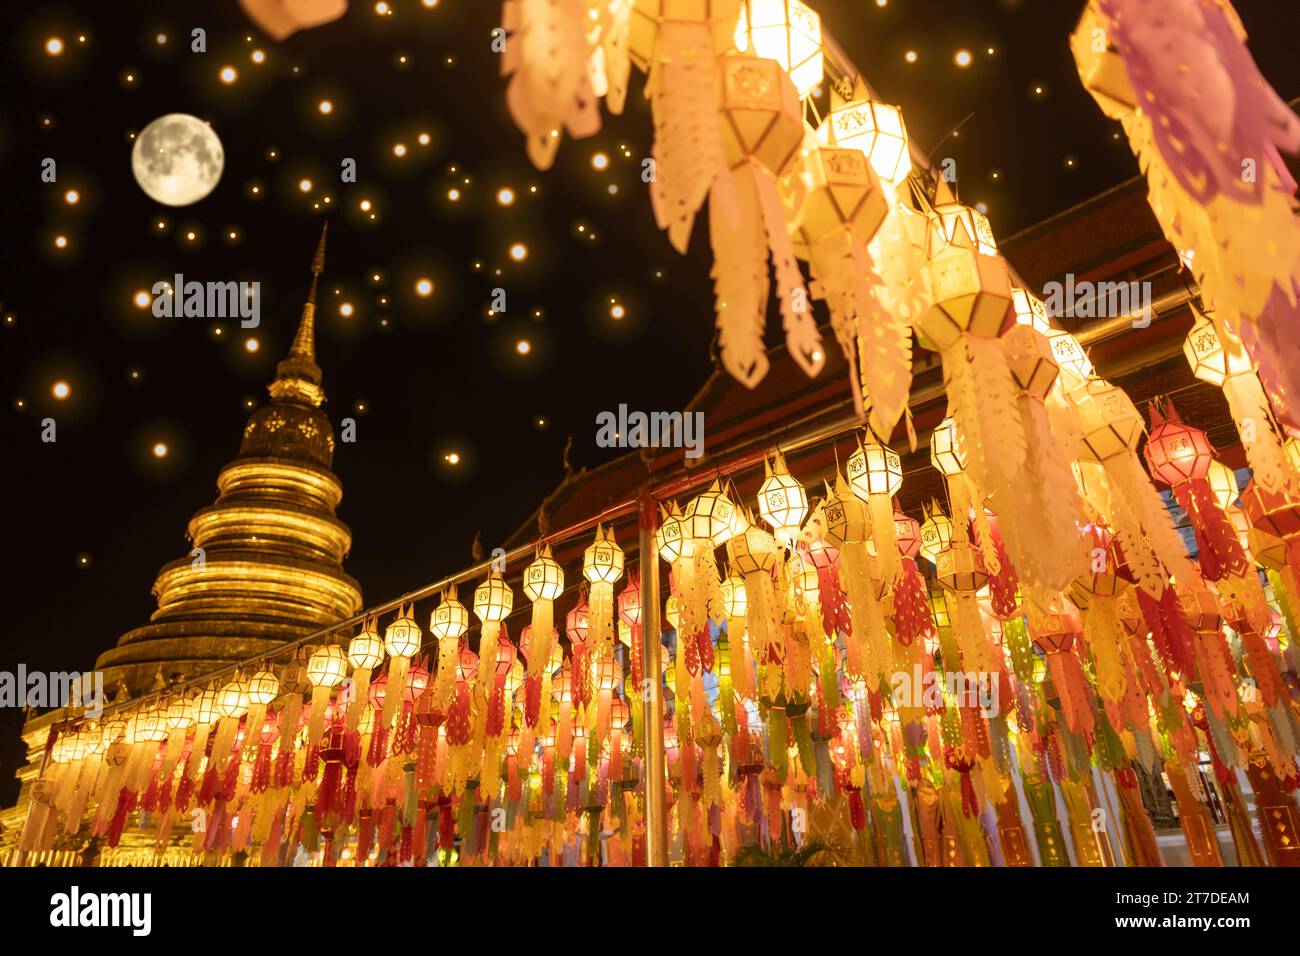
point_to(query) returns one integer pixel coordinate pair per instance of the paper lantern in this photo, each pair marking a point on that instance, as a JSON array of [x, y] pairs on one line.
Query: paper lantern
[[875, 470], [907, 531], [761, 113], [629, 603], [945, 450], [180, 715], [971, 290], [844, 192], [327, 666], [936, 532], [151, 727], [543, 579], [753, 551], [711, 516], [782, 500], [1030, 358], [403, 638], [950, 216], [846, 518], [1208, 357], [263, 687], [787, 31], [233, 700], [1101, 67], [875, 129], [450, 618], [959, 567], [1070, 356], [493, 599], [366, 650], [1177, 452], [602, 562], [672, 537], [1030, 310], [672, 611], [577, 623], [205, 712], [1110, 423]]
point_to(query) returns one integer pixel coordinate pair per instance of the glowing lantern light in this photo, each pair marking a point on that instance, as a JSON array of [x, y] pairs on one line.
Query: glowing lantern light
[[936, 532], [365, 653], [1030, 310], [872, 127], [788, 32], [1072, 359], [233, 699], [1223, 482], [263, 687], [951, 216], [672, 537], [710, 516], [448, 623], [946, 453], [875, 475], [782, 501], [402, 641], [543, 583], [326, 669]]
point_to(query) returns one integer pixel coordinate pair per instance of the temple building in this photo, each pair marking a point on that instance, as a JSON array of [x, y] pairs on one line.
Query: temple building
[[266, 567]]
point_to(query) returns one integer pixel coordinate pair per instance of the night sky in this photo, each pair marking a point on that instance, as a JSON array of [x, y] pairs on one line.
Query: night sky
[[90, 518]]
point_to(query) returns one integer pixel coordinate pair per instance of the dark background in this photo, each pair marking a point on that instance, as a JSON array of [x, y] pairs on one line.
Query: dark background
[[89, 519]]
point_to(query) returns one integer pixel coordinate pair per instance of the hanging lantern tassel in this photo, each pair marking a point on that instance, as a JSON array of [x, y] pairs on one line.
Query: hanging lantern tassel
[[543, 583], [972, 308], [326, 669], [552, 54], [1054, 635], [602, 566], [1040, 525], [448, 624], [846, 529], [875, 474], [1216, 355], [754, 555], [402, 640], [762, 133]]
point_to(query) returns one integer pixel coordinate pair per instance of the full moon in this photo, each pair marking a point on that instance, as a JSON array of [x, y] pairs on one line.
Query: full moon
[[177, 159]]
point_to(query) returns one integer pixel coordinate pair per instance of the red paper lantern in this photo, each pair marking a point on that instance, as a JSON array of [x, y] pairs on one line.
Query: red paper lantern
[[1177, 452]]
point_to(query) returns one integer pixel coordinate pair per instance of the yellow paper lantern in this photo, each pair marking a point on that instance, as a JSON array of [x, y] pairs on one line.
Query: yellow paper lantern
[[672, 610], [649, 16], [672, 537], [366, 650], [205, 712], [152, 725], [179, 714], [263, 687], [543, 579], [1030, 360], [958, 568], [946, 453], [782, 501], [875, 129], [1110, 423], [403, 638], [762, 116], [1223, 483], [1030, 310], [787, 31], [875, 470], [971, 290], [233, 699], [493, 599], [1101, 68], [602, 562], [1210, 359], [327, 666], [949, 216], [450, 618], [1070, 357], [936, 532], [711, 516], [844, 193], [753, 551]]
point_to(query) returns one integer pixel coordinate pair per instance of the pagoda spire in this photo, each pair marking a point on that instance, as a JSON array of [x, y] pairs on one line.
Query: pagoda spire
[[304, 343], [297, 376]]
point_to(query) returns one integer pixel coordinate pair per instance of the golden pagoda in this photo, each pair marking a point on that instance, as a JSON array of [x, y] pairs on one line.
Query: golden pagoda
[[266, 566], [267, 561]]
